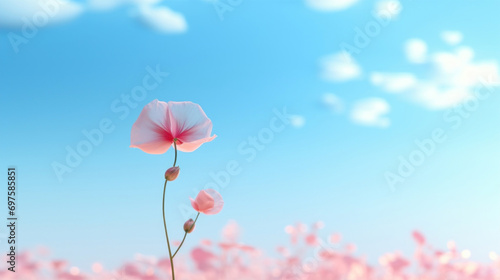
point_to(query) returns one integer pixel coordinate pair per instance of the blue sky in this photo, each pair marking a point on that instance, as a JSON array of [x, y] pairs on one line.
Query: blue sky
[[353, 117]]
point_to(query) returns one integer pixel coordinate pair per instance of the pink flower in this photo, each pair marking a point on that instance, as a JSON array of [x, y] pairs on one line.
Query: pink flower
[[160, 123], [311, 239], [419, 237], [208, 202]]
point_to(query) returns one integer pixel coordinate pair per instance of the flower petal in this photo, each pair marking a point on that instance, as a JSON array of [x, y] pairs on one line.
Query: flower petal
[[151, 131], [218, 202], [204, 201], [191, 146], [195, 205], [188, 122]]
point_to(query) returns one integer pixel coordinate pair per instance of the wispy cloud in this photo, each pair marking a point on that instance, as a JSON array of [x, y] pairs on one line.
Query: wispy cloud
[[330, 5], [394, 82], [111, 4], [452, 37], [162, 19], [416, 51], [104, 5], [18, 14], [332, 102], [371, 112], [453, 77], [388, 8], [297, 121], [340, 67]]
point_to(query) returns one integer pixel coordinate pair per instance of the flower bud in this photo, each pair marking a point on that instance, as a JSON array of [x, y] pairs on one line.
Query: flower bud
[[189, 226], [172, 173]]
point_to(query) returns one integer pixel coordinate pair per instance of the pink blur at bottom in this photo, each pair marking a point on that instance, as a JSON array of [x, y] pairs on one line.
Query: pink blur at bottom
[[308, 256]]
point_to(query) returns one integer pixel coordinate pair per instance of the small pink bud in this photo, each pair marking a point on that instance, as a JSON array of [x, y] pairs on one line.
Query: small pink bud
[[189, 226], [172, 173]]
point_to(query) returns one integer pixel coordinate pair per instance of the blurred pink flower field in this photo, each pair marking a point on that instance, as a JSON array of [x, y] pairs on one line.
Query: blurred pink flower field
[[307, 256]]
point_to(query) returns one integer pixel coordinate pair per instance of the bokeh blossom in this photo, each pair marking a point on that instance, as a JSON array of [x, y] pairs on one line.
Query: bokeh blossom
[[208, 202], [230, 259]]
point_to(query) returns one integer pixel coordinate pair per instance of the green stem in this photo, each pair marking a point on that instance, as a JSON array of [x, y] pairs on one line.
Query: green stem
[[166, 233], [164, 221], [175, 147], [185, 234]]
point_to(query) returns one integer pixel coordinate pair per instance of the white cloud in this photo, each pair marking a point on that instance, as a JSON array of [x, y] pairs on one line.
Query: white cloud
[[371, 112], [340, 67], [103, 5], [452, 37], [159, 18], [453, 79], [388, 8], [434, 96], [450, 63], [332, 102], [394, 83], [330, 5], [416, 51], [297, 121], [111, 4], [145, 2], [39, 13], [162, 19], [19, 13]]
